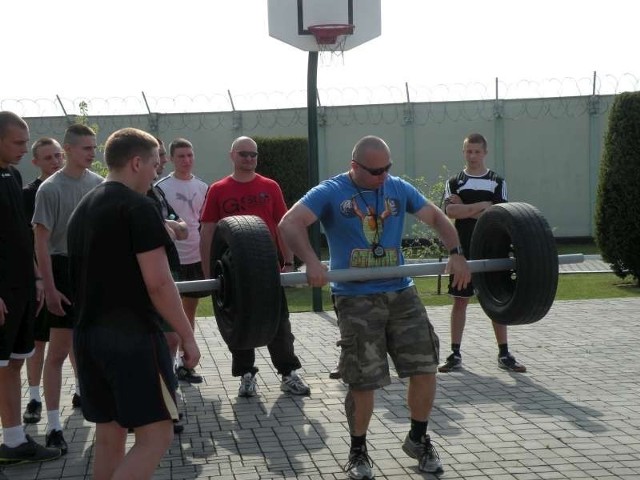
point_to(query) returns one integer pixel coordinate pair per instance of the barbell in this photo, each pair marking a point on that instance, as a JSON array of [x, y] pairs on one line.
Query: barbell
[[513, 260]]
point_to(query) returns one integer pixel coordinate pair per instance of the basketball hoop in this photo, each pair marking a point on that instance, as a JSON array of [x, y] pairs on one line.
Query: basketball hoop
[[331, 37]]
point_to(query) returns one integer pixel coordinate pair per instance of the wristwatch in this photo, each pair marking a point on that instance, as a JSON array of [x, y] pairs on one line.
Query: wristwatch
[[456, 251]]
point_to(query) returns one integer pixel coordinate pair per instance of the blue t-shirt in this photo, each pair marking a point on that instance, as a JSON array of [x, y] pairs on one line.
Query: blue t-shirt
[[356, 220]]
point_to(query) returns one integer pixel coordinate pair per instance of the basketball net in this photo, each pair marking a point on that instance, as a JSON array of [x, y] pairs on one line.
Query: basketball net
[[331, 39]]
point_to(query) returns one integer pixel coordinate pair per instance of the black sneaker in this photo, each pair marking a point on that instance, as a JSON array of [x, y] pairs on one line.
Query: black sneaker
[[76, 401], [177, 427], [54, 439], [335, 373], [359, 466], [188, 375], [27, 453], [509, 362], [33, 413], [453, 362]]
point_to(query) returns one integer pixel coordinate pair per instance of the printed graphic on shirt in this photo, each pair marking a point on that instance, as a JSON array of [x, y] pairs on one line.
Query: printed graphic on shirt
[[372, 222], [189, 201], [237, 206]]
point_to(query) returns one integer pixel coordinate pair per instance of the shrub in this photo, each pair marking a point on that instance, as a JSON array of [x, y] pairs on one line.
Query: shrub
[[97, 166], [284, 159], [423, 241], [617, 215]]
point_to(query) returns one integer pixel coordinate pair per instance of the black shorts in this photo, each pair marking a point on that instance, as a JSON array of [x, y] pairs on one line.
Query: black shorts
[[16, 335], [60, 268], [41, 329], [125, 377], [188, 273], [466, 292]]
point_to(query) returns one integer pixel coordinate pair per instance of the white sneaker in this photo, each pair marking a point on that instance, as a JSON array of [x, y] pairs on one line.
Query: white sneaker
[[428, 458], [248, 386], [293, 383], [359, 466]]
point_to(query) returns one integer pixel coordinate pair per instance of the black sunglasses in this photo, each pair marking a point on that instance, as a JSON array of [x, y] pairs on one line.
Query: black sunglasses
[[248, 154], [376, 172]]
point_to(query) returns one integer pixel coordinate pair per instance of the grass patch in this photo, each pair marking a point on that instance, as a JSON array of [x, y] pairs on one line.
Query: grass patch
[[571, 286], [586, 248], [588, 286]]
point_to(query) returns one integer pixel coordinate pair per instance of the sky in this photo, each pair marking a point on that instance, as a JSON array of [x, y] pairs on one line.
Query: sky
[[194, 55]]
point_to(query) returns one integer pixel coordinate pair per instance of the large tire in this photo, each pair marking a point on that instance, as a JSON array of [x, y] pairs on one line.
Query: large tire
[[245, 261], [524, 295]]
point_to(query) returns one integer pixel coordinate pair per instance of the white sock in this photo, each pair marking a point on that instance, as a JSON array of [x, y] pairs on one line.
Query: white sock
[[53, 417], [13, 436], [34, 393], [179, 362], [77, 387]]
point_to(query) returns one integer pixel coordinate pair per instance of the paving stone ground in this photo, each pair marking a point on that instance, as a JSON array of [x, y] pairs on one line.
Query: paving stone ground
[[574, 415]]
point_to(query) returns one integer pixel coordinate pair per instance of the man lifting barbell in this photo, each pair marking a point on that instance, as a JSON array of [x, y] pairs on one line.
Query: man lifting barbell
[[376, 317]]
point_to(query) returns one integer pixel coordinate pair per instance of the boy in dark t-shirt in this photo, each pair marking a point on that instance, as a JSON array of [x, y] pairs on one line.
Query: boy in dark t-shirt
[[466, 196], [48, 158], [20, 292], [178, 230], [123, 289]]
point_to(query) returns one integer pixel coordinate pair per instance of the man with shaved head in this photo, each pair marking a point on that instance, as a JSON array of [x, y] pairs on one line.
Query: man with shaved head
[[245, 192], [20, 293]]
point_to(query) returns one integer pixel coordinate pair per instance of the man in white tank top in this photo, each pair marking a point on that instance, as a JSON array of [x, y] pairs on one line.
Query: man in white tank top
[[186, 193]]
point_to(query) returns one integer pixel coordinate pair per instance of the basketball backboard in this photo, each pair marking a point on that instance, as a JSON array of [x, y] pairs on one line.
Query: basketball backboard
[[289, 20]]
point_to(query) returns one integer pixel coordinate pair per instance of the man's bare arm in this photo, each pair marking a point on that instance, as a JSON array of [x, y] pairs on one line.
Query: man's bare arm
[[53, 297], [293, 228], [207, 229], [179, 228], [166, 299], [457, 264], [465, 210]]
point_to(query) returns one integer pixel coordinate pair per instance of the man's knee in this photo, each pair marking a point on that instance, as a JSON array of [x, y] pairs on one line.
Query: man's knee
[[460, 302], [56, 356], [157, 435], [15, 365], [423, 386]]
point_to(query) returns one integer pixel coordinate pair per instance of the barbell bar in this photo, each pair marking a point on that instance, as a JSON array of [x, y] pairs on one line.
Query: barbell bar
[[360, 274], [515, 279]]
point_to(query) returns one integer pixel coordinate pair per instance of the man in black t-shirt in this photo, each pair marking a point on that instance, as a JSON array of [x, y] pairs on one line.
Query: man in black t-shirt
[[177, 230], [466, 196], [176, 227], [48, 158], [123, 289], [21, 294]]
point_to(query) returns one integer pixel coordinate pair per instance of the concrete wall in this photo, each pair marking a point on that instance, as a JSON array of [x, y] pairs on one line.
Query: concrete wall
[[548, 148]]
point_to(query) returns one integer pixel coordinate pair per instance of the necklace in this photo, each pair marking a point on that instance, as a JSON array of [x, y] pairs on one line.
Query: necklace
[[376, 249]]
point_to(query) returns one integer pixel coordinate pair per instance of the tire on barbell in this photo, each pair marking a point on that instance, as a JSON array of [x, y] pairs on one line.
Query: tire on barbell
[[245, 261], [525, 295]]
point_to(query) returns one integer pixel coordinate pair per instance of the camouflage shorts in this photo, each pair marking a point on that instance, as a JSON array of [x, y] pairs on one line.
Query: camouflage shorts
[[372, 326]]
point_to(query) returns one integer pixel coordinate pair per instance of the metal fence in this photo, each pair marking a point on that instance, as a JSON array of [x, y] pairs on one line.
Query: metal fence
[[548, 148]]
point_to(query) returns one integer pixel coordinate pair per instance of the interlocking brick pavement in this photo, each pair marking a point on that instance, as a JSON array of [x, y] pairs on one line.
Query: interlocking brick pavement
[[574, 415]]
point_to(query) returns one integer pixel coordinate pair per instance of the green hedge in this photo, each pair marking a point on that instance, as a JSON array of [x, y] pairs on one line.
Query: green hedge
[[617, 216], [284, 159]]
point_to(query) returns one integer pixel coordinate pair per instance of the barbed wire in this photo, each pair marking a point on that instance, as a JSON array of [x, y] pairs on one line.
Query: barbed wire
[[420, 106], [328, 97], [419, 114]]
